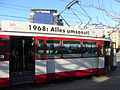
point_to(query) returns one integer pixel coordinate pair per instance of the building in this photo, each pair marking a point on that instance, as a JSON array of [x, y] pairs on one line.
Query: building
[[45, 16], [113, 34]]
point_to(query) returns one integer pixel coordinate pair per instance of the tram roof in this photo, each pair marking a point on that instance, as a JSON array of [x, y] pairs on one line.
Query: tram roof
[[44, 29]]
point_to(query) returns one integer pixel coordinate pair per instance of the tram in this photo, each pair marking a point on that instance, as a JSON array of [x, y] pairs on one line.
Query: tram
[[36, 53]]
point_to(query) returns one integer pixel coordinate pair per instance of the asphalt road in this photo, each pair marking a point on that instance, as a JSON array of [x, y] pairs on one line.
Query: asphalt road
[[107, 82]]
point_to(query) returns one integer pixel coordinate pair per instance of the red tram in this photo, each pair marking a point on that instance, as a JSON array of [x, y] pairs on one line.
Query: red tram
[[36, 53]]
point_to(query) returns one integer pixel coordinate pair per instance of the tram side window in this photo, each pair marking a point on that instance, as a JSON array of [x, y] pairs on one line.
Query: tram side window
[[90, 49], [40, 49], [107, 48], [101, 48], [53, 49], [3, 48], [71, 48]]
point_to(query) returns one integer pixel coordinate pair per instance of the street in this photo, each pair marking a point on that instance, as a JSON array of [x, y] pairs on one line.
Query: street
[[106, 82]]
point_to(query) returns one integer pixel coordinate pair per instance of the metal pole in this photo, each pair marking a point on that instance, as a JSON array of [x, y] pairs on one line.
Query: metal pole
[[23, 53]]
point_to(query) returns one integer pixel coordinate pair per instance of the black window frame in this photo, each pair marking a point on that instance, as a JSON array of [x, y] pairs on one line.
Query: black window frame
[[71, 48], [53, 49], [40, 49], [89, 49], [4, 49]]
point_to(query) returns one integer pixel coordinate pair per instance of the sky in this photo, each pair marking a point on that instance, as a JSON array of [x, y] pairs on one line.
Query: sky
[[19, 10]]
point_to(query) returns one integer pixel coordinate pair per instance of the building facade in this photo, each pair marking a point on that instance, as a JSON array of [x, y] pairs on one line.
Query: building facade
[[113, 34], [45, 16]]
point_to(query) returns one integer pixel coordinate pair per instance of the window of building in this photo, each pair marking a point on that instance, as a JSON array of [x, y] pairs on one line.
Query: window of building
[[53, 49], [71, 48], [90, 49], [40, 49]]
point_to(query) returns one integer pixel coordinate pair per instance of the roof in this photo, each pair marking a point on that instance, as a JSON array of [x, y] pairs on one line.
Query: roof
[[44, 29], [39, 10]]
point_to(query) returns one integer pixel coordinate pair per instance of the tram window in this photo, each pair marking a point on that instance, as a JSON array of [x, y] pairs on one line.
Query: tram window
[[71, 48], [90, 49], [3, 48], [53, 49], [40, 49], [102, 49], [107, 48]]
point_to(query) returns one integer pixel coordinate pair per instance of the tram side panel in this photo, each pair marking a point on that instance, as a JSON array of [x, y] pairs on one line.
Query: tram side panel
[[101, 66], [40, 71], [75, 67], [64, 68], [4, 60], [4, 73]]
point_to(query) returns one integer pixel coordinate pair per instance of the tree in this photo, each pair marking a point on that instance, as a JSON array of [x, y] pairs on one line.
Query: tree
[[107, 12]]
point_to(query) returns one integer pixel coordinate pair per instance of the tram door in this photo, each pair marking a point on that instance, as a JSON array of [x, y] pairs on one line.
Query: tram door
[[108, 56], [22, 60]]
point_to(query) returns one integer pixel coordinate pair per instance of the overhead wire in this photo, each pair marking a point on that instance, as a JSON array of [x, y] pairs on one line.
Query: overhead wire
[[77, 17], [86, 14], [71, 4], [12, 16], [105, 19], [68, 6], [64, 1], [65, 21], [27, 7], [109, 13], [14, 8]]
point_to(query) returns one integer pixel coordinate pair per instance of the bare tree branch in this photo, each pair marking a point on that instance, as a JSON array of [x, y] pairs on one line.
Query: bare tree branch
[[102, 9], [117, 0]]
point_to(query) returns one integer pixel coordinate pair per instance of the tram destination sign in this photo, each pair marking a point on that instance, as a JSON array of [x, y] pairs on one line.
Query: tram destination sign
[[13, 26]]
